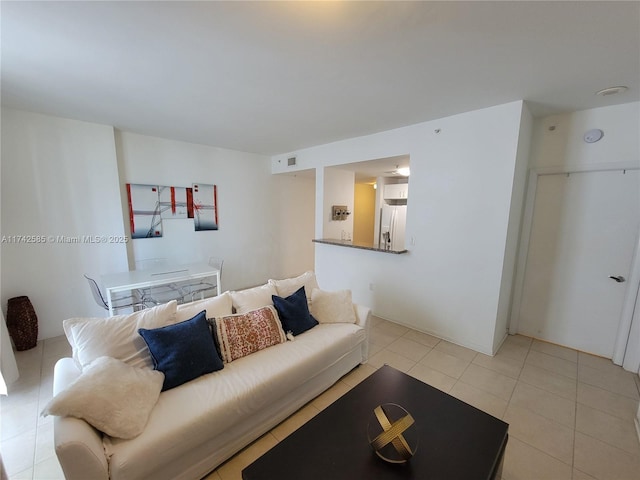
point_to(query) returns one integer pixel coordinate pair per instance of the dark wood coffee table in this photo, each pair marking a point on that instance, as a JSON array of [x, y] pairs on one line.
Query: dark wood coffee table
[[456, 440]]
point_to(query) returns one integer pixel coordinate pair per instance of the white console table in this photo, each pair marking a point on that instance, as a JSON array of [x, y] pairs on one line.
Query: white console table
[[161, 275]]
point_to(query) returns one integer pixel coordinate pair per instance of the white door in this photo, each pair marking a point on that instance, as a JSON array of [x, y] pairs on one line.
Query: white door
[[584, 231]]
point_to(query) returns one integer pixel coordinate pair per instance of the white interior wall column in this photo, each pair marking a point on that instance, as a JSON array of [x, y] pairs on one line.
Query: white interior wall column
[[319, 210], [8, 366]]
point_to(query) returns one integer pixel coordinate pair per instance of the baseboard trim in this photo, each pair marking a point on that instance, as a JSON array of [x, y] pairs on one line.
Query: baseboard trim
[[470, 345]]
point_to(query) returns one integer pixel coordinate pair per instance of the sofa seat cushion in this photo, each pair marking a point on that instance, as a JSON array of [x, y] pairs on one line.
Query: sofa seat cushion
[[195, 412]]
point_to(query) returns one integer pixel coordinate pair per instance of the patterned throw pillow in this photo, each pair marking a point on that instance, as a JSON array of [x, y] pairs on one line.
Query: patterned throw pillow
[[246, 333]]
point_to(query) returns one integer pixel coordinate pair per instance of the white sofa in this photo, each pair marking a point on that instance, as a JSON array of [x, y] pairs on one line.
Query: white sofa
[[195, 427]]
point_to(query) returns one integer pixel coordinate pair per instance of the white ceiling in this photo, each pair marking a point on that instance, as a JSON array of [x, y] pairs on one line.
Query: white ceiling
[[368, 171], [275, 77]]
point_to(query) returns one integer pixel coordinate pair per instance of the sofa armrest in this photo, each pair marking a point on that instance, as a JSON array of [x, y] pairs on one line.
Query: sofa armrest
[[363, 315], [363, 318], [78, 445]]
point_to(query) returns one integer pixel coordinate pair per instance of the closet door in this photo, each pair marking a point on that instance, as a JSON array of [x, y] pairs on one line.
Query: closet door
[[584, 231]]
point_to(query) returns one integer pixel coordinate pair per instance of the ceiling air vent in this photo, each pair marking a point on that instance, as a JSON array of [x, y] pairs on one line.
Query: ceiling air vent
[[291, 161]]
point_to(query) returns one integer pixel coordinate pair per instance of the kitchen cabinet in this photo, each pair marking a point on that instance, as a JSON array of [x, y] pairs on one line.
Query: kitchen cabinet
[[396, 191]]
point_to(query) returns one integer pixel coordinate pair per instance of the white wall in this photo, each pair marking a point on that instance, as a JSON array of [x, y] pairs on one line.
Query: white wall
[[339, 189], [59, 177], [565, 148], [462, 184], [8, 367], [294, 215], [265, 222], [514, 229], [66, 177]]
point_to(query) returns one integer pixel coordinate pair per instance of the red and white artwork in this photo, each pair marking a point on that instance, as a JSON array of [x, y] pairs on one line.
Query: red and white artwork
[[144, 211], [205, 207], [173, 202], [150, 204]]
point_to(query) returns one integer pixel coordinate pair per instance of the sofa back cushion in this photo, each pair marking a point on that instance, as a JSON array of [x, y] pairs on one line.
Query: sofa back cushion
[[288, 286], [242, 334], [253, 298], [116, 337], [215, 307]]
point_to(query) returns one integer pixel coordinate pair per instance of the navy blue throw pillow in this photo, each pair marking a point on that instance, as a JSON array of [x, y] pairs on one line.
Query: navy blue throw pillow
[[294, 312], [183, 351]]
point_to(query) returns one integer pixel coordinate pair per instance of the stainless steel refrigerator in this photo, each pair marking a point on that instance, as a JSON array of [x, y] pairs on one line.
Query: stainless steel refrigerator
[[393, 219]]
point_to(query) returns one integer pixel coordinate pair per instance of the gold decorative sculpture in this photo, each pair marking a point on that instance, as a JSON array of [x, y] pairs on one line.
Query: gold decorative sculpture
[[388, 433]]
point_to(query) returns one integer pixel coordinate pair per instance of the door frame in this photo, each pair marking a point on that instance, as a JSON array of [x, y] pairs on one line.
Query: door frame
[[625, 346], [627, 353]]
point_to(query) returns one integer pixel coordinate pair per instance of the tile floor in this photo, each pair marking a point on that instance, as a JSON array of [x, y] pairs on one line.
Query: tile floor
[[570, 414]]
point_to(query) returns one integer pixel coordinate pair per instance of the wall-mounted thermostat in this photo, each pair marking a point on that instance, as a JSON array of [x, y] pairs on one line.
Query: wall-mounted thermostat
[[592, 136]]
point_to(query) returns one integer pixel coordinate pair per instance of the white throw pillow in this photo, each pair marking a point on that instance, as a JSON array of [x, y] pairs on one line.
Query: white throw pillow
[[114, 397], [288, 286], [219, 306], [332, 307], [116, 337], [253, 298]]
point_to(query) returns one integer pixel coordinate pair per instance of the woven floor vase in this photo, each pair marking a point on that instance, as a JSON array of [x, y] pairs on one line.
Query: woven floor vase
[[22, 323]]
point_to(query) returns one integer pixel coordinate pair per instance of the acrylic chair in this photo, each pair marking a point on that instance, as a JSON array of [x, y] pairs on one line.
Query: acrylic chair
[[118, 303], [200, 288]]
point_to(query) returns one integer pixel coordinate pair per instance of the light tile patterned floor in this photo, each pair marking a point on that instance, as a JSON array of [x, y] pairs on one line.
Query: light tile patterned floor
[[570, 414]]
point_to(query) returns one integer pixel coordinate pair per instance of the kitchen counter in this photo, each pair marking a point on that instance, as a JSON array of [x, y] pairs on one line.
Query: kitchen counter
[[351, 244]]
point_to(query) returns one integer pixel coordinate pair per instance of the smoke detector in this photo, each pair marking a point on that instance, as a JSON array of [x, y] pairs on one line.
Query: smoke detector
[[594, 135], [605, 92]]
